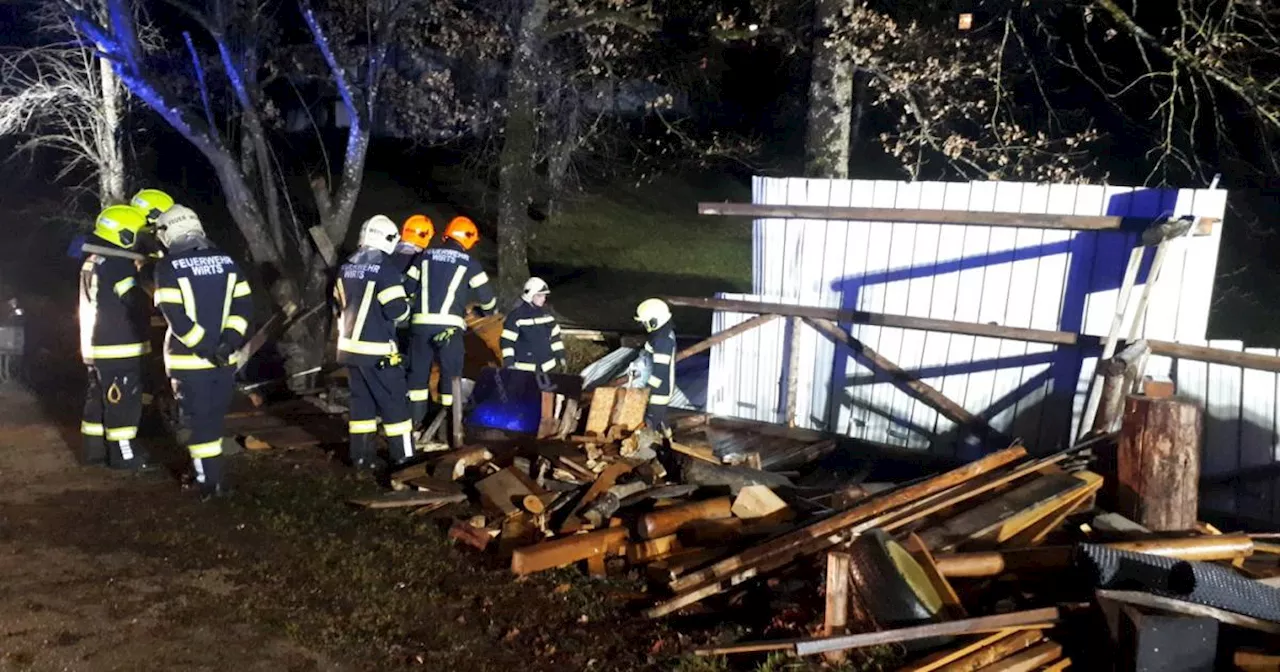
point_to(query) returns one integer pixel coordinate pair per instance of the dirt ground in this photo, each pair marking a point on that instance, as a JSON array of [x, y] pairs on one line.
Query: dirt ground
[[110, 571]]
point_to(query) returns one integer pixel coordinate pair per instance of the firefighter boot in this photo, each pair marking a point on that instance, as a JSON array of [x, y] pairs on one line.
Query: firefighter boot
[[362, 453], [211, 475], [418, 412]]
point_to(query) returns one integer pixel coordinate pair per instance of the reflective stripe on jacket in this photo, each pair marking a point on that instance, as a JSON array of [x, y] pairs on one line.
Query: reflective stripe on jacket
[[372, 300]]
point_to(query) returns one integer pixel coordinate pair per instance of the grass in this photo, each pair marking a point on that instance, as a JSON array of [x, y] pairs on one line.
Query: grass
[[653, 228]]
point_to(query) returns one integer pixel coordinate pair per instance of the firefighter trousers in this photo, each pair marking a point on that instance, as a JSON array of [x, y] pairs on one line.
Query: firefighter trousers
[[427, 345], [112, 409], [378, 393], [203, 397]]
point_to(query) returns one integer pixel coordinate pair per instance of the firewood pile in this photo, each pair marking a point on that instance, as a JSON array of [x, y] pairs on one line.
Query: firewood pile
[[1009, 562]]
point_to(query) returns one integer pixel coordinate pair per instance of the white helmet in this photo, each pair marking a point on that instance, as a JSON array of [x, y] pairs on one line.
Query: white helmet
[[653, 313], [380, 233], [534, 286], [177, 222]]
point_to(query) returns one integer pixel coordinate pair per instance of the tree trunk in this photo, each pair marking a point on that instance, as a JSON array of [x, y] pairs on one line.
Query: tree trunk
[[830, 94], [1158, 459], [520, 134], [110, 137]]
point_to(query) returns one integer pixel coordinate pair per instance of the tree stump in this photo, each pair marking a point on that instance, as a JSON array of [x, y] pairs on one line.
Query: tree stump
[[1158, 460]]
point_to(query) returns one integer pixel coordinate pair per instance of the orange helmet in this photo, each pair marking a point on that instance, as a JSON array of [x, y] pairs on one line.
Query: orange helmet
[[463, 230], [418, 231]]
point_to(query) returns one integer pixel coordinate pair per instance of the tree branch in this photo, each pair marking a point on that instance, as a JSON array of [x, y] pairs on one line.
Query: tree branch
[[633, 20]]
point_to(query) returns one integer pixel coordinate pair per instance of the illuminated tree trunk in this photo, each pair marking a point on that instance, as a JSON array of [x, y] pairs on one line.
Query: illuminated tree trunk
[[516, 178], [830, 94], [110, 137]]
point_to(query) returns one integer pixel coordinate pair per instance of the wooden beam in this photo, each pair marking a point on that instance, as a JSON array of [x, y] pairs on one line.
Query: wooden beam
[[922, 390], [962, 627], [1197, 353], [1001, 219], [712, 341], [883, 320]]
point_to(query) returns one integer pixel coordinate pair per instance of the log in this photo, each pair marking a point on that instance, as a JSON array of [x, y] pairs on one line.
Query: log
[[451, 466], [667, 521], [640, 552], [1158, 460], [793, 369], [393, 500], [838, 596], [867, 214], [568, 550], [1052, 558], [1253, 660], [1015, 642]]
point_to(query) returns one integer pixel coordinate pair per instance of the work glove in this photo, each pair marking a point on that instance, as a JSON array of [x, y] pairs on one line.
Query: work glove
[[444, 336], [393, 359], [224, 353]]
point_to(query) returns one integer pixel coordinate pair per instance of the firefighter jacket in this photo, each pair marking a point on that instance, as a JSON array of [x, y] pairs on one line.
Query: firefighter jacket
[[662, 377], [531, 339], [443, 281], [372, 300], [114, 315], [404, 256], [205, 298]]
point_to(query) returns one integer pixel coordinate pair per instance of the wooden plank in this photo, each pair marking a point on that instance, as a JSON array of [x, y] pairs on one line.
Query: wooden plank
[[824, 528], [1090, 482], [696, 452], [629, 407], [1057, 666], [503, 493], [1036, 532], [601, 410], [836, 618], [1031, 659], [966, 626], [1016, 642], [995, 563], [601, 485], [1150, 601], [724, 335], [567, 550], [403, 498], [991, 515], [758, 501], [950, 601], [997, 219], [938, 660], [924, 392]]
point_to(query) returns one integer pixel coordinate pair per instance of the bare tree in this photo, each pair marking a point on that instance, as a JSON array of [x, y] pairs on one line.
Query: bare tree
[[234, 137], [1200, 75], [59, 96]]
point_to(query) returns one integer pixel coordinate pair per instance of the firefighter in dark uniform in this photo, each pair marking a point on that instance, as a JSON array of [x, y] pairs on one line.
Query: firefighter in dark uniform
[[530, 335], [444, 280], [205, 298], [114, 315], [655, 315], [372, 300]]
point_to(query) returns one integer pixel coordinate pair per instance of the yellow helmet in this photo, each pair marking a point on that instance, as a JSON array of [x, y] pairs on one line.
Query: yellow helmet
[[653, 313], [152, 202], [120, 224]]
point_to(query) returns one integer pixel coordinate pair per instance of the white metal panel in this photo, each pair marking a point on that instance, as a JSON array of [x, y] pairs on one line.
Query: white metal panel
[[1041, 278], [1255, 497], [1221, 452]]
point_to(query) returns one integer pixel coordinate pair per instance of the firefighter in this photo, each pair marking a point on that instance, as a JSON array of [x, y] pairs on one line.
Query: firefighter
[[415, 236], [205, 298], [530, 335], [655, 315], [444, 280], [114, 317], [372, 301]]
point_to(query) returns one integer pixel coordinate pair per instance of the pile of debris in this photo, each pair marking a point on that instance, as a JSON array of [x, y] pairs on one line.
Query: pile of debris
[[1005, 561]]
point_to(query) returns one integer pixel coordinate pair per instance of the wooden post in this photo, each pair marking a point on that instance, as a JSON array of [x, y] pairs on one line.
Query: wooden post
[[793, 370], [838, 587], [1158, 460], [1118, 375], [456, 434]]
